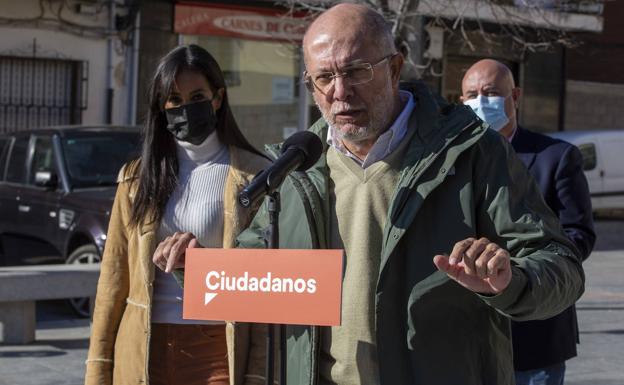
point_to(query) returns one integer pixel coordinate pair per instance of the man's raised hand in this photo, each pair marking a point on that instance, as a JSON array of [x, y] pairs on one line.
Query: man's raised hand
[[478, 265]]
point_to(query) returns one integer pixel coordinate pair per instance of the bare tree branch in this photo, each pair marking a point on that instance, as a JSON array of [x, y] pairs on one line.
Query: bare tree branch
[[520, 25]]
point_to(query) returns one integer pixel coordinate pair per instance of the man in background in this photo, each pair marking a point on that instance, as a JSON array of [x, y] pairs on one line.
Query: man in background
[[540, 347]]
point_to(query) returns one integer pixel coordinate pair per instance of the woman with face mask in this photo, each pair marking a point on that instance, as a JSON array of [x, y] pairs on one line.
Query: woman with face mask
[[180, 193]]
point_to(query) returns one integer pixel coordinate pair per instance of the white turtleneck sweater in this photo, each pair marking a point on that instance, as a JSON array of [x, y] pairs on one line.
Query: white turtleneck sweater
[[196, 206]]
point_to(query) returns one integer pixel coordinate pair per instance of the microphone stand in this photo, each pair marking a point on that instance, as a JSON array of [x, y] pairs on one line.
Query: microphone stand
[[299, 152], [272, 239]]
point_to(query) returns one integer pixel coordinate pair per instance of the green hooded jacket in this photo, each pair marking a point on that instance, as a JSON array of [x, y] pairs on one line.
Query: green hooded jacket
[[458, 180]]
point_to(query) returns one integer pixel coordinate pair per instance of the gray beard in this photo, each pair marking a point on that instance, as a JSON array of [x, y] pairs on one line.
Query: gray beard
[[376, 125]]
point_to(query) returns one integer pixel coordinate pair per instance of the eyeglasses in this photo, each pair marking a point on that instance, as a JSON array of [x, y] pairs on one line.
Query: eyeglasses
[[359, 73]]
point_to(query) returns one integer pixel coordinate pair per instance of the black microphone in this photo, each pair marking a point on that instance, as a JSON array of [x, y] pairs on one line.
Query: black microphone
[[299, 152]]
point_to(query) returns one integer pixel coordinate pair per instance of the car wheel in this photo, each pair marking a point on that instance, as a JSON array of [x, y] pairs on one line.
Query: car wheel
[[83, 255]]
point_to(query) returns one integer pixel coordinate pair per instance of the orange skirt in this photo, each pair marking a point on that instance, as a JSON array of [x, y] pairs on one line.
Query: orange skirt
[[188, 354]]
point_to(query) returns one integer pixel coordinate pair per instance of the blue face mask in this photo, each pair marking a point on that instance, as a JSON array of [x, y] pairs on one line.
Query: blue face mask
[[491, 109]]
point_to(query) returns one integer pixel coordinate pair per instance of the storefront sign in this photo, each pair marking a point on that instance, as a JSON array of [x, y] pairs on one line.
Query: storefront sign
[[237, 22], [302, 287]]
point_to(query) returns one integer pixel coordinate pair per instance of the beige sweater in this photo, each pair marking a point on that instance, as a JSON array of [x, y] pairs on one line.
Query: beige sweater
[[360, 201]]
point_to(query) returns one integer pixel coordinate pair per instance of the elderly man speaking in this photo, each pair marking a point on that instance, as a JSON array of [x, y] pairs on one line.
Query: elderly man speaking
[[445, 236]]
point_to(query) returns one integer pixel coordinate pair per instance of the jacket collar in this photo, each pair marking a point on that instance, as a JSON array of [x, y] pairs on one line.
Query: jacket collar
[[524, 147], [520, 139]]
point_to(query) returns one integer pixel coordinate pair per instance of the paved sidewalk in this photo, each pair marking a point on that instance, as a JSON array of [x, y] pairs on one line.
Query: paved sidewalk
[[601, 323], [56, 357]]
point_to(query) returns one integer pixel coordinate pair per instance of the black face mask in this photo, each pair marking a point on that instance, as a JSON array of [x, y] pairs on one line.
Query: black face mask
[[192, 122]]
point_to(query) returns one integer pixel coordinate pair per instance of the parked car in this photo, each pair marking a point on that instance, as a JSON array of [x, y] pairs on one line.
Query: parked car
[[57, 187], [603, 165]]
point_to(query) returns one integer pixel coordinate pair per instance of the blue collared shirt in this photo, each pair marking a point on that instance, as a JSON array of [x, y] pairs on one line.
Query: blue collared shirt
[[387, 142]]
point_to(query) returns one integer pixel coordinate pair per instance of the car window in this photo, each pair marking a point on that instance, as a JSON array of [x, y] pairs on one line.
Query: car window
[[43, 157], [588, 151], [94, 159], [16, 169], [4, 150]]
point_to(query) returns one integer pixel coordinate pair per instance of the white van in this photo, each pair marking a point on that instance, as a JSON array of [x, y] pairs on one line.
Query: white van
[[603, 163]]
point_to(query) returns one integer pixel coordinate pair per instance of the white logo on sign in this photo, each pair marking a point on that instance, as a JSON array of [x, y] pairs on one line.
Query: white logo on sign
[[266, 283], [209, 297]]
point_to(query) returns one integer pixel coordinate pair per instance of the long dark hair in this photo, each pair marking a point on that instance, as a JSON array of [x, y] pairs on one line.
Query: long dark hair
[[158, 166]]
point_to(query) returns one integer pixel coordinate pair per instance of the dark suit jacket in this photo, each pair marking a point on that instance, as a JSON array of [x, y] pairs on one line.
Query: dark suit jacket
[[557, 167]]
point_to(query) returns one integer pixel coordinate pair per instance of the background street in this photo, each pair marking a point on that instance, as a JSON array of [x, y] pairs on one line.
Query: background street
[[58, 355], [601, 312]]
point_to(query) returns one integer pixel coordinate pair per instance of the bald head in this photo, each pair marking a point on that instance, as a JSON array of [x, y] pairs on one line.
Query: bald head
[[492, 69], [491, 78], [350, 24]]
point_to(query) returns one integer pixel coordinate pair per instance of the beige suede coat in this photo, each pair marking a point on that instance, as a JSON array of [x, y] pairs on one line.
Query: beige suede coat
[[120, 333]]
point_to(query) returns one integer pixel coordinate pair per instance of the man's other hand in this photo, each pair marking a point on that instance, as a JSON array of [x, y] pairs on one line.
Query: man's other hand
[[478, 265]]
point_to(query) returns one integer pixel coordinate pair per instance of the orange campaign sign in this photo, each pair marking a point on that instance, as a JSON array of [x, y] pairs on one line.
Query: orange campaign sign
[[284, 286]]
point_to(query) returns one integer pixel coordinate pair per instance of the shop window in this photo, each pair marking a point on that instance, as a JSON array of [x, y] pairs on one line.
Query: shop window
[[43, 157], [16, 169], [37, 92]]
